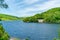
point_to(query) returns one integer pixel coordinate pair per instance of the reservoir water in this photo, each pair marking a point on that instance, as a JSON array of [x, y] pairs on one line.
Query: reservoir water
[[33, 31]]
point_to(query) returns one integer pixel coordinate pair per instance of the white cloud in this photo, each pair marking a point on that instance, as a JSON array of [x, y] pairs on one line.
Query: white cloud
[[38, 7], [32, 9], [48, 5]]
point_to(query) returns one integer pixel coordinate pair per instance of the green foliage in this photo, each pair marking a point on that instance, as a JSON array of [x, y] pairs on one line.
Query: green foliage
[[27, 39], [50, 16], [30, 19], [38, 16], [54, 39], [33, 18], [3, 34]]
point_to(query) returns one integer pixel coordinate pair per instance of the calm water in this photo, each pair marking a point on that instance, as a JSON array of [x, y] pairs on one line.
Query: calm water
[[33, 31]]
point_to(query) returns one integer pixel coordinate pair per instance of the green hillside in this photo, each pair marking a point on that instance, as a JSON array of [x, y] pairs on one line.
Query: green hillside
[[49, 16], [9, 17]]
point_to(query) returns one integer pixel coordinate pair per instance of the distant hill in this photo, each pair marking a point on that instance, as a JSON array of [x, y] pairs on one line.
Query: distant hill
[[51, 16], [9, 17]]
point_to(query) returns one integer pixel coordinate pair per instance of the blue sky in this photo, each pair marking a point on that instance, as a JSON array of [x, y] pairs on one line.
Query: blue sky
[[23, 8]]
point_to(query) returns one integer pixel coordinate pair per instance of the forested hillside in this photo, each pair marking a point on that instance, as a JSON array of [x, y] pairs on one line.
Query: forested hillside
[[50, 16]]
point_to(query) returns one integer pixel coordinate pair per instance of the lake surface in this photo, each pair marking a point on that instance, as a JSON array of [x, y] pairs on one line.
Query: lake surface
[[33, 31]]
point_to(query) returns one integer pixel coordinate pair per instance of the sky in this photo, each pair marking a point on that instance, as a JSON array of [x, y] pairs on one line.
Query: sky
[[24, 8]]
